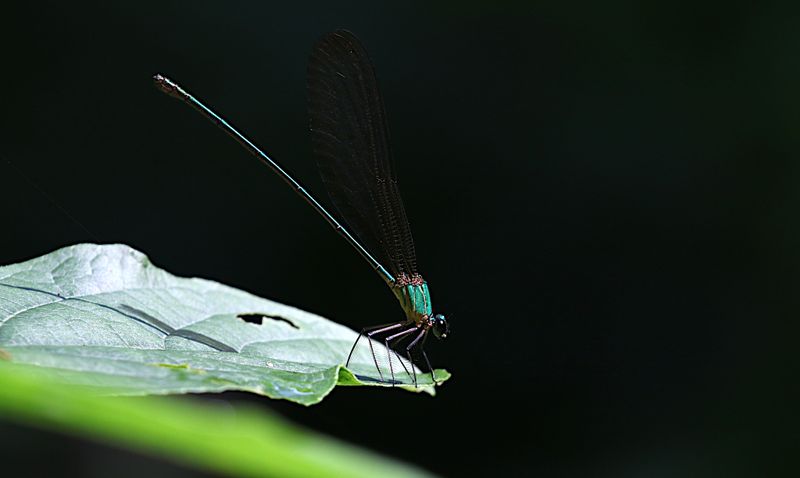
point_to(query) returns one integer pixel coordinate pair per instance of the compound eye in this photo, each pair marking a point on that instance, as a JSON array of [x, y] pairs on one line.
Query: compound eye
[[440, 327]]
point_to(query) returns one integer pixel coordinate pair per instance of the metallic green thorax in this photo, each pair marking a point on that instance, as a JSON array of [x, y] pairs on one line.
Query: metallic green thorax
[[414, 298]]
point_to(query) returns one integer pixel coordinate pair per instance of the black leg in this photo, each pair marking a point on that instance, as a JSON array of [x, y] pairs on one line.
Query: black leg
[[425, 355], [375, 359], [408, 352], [367, 329], [413, 370], [396, 354], [370, 332], [372, 349], [433, 375], [389, 348]]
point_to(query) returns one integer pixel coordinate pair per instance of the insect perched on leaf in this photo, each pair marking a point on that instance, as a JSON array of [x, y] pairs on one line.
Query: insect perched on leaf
[[351, 145]]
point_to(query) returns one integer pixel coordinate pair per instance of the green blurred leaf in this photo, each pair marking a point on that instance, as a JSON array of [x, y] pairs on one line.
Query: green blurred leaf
[[102, 316], [240, 441]]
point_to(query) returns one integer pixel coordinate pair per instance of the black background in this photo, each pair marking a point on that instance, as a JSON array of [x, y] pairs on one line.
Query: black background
[[604, 197]]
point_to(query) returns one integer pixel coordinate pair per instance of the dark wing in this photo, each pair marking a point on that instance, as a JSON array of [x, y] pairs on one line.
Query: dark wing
[[351, 145]]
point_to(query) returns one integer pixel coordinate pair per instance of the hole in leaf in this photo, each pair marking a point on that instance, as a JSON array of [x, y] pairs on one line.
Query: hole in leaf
[[258, 319]]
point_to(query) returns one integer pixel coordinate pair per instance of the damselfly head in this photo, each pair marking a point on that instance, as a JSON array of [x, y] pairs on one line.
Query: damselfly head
[[440, 327]]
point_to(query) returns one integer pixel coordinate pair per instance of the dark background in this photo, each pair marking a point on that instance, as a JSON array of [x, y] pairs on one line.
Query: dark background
[[604, 197]]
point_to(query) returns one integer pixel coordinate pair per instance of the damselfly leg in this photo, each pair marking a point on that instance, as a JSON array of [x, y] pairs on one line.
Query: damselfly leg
[[406, 330], [389, 350], [370, 331], [428, 362], [422, 333]]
